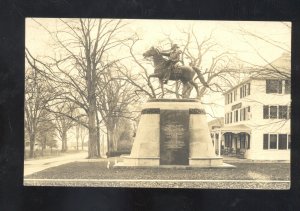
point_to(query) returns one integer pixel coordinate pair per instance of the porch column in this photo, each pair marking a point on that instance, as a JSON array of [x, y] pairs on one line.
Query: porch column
[[219, 142], [214, 140]]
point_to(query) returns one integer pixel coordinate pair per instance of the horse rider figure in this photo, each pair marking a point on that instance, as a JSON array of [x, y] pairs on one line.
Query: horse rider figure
[[173, 62]]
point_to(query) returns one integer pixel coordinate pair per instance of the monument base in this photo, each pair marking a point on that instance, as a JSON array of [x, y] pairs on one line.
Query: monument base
[[172, 132], [129, 162], [140, 161], [214, 161]]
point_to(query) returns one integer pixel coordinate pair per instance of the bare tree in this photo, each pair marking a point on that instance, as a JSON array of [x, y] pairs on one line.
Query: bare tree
[[38, 95], [216, 75], [215, 67], [137, 73], [270, 68], [46, 133], [82, 53], [64, 123], [115, 95], [80, 134]]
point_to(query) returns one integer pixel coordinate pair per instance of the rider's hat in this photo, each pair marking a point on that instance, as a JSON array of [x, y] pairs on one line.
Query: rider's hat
[[174, 46]]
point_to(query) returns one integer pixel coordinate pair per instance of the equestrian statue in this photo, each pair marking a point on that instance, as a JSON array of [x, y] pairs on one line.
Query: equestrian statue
[[171, 69]]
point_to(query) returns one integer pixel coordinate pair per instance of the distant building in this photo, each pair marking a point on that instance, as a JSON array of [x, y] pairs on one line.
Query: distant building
[[215, 125], [257, 116]]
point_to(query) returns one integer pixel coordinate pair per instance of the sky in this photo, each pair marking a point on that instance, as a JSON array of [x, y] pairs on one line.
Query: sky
[[151, 32]]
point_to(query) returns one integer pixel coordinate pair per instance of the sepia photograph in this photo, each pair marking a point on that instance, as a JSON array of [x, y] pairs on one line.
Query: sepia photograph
[[157, 103]]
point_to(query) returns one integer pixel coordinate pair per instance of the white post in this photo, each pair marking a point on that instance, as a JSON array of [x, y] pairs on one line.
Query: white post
[[215, 141], [219, 141]]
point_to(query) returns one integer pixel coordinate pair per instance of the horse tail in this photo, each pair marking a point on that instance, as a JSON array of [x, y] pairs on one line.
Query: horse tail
[[200, 76]]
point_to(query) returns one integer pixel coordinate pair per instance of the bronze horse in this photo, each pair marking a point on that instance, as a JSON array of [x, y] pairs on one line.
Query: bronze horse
[[183, 73]]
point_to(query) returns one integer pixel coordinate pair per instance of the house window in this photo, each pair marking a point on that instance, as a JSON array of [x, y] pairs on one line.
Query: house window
[[233, 116], [248, 88], [266, 141], [266, 112], [273, 141], [273, 86], [244, 113], [276, 141], [234, 95], [287, 87], [241, 92], [282, 112], [241, 114], [229, 98], [245, 90], [236, 116], [248, 113], [282, 141], [273, 112], [230, 117]]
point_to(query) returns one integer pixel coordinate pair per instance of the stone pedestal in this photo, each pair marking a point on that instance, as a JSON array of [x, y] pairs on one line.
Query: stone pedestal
[[172, 132]]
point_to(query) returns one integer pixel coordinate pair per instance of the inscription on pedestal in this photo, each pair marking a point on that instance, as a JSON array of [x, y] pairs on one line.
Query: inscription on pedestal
[[174, 137]]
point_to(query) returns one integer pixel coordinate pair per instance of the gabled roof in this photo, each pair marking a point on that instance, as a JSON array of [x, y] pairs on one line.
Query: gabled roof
[[277, 69], [216, 122]]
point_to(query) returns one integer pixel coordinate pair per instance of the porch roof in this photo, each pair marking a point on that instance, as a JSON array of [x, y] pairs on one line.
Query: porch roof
[[233, 129]]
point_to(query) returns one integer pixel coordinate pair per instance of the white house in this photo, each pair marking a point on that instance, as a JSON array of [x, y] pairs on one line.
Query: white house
[[257, 116]]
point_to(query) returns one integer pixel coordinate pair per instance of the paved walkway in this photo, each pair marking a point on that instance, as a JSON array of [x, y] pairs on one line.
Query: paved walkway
[[33, 166]]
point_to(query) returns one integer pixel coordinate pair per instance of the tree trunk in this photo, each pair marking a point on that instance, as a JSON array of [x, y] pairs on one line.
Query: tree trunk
[[64, 146], [92, 142], [32, 142], [115, 134], [111, 142], [44, 145], [107, 138], [91, 88], [98, 135], [77, 137]]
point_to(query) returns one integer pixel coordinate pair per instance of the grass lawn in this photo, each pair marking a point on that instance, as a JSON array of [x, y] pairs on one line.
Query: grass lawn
[[95, 174], [98, 171]]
